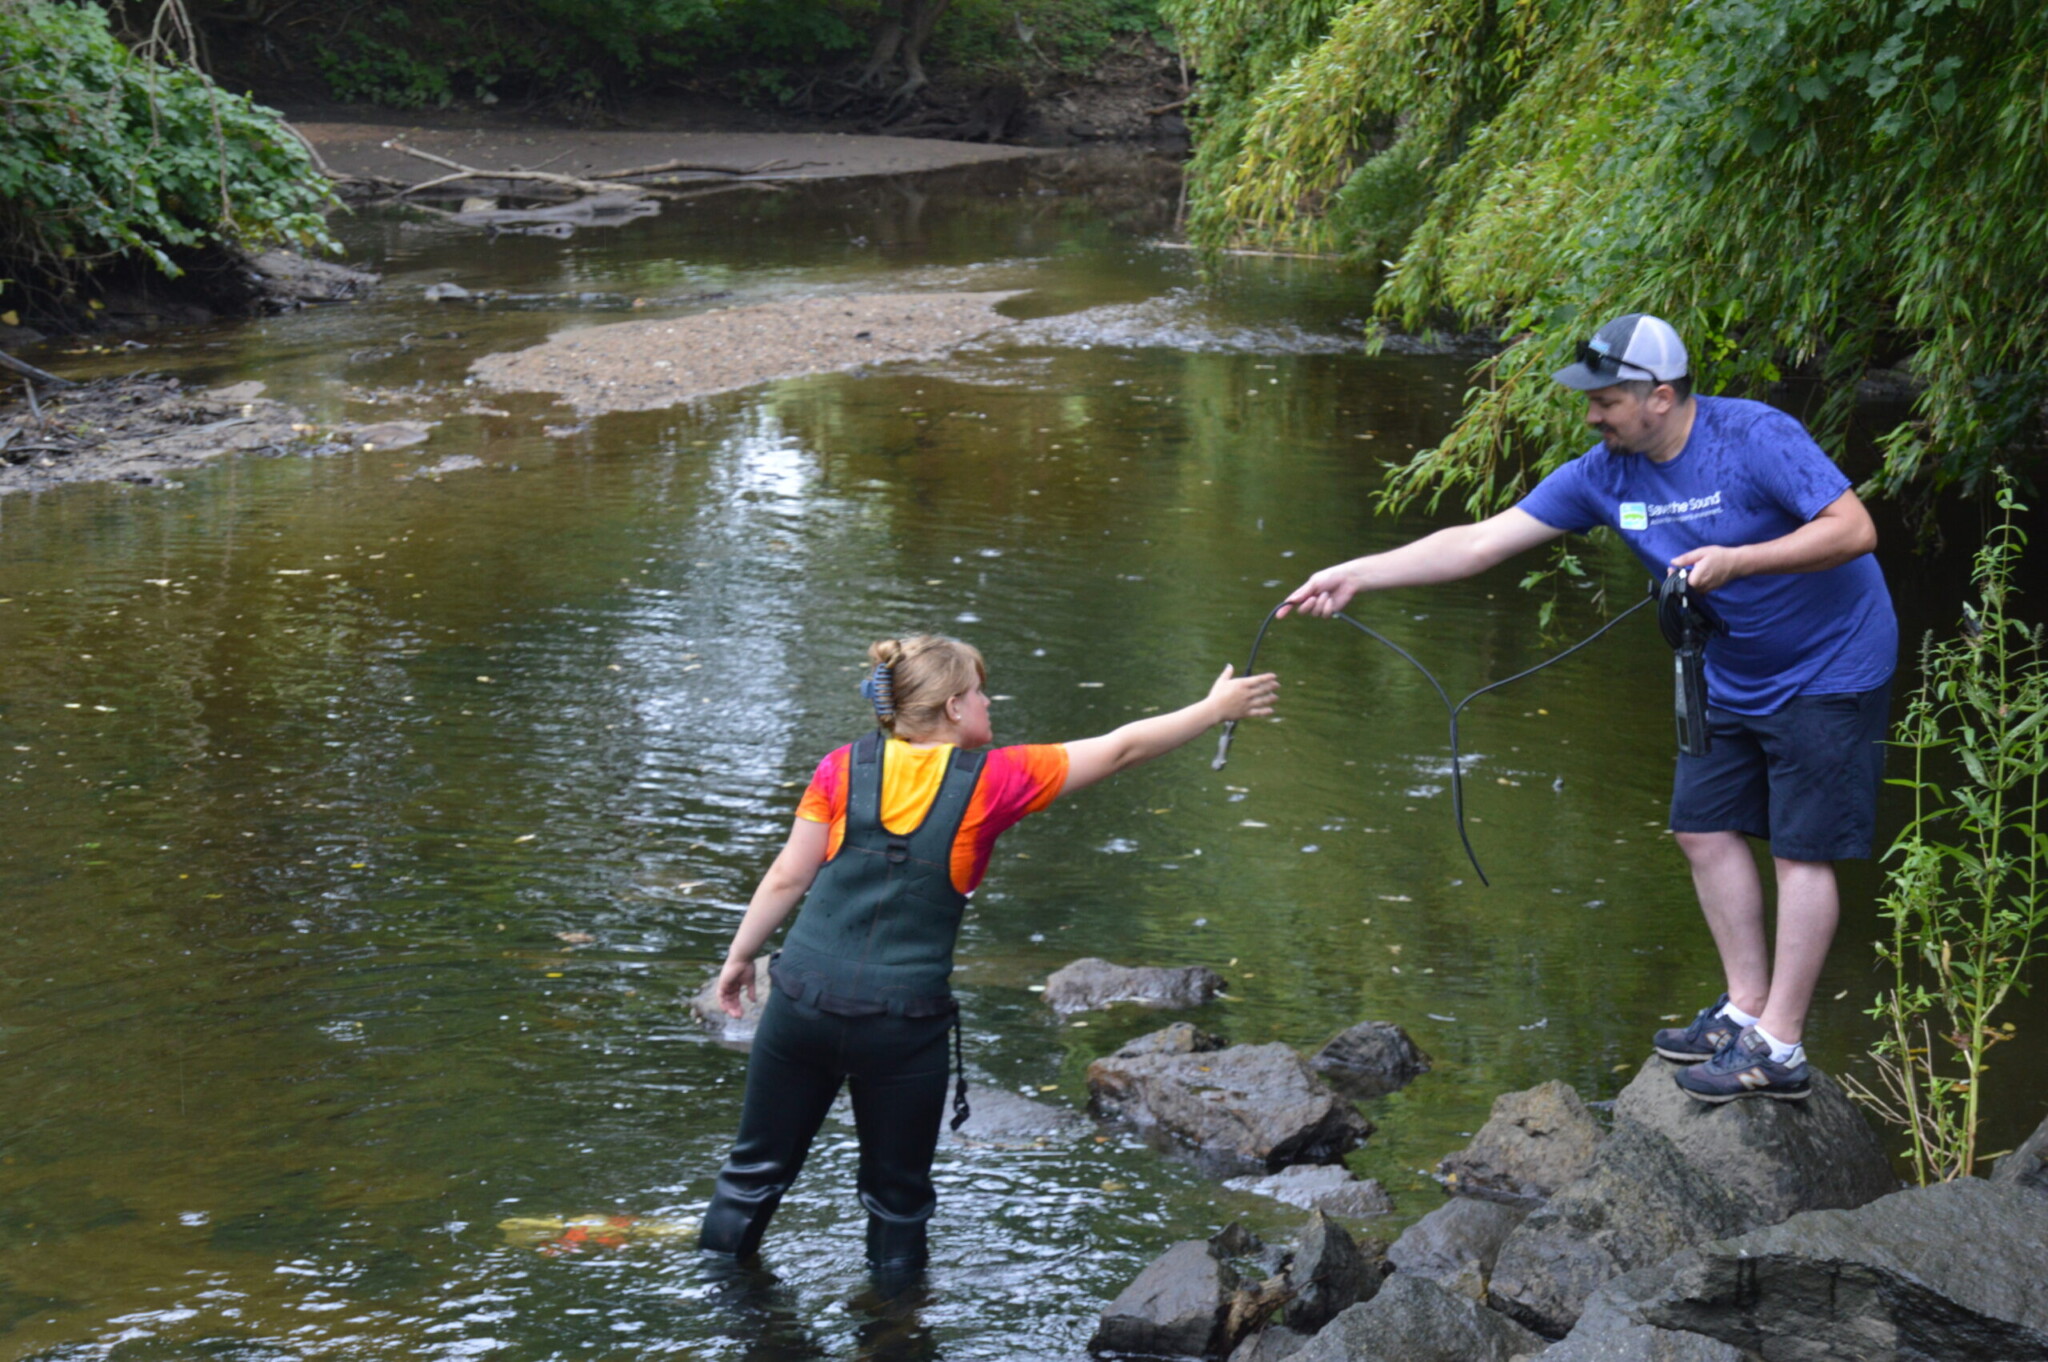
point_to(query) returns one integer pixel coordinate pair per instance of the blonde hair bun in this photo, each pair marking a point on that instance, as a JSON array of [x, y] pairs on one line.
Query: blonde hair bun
[[919, 673]]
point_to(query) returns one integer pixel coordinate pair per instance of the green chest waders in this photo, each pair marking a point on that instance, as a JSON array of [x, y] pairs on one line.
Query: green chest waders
[[877, 929], [867, 964]]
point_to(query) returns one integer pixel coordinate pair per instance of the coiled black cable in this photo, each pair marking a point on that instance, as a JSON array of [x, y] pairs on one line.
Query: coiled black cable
[[1457, 770]]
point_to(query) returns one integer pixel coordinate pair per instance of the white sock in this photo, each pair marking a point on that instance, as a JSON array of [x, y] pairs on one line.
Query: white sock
[[1738, 1016], [1781, 1053]]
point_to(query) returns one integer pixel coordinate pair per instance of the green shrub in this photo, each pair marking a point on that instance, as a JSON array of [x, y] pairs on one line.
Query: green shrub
[[1966, 894], [110, 155], [433, 53], [998, 38]]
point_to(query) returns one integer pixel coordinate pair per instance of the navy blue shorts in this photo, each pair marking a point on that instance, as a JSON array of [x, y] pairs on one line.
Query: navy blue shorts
[[1804, 779]]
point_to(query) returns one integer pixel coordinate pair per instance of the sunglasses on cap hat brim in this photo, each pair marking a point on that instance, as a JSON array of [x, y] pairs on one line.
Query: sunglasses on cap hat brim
[[1595, 355]]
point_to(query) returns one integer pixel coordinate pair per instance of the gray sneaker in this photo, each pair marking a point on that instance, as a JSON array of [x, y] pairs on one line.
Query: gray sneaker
[[1709, 1034], [1746, 1069]]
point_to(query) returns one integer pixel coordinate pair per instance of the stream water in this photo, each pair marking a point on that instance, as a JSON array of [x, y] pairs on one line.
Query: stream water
[[310, 764]]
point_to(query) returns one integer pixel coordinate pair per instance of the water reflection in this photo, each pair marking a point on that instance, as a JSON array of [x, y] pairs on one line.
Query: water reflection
[[365, 833]]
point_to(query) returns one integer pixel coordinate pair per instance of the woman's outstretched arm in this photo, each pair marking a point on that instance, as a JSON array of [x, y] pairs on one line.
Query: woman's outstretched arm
[[1232, 697], [780, 890]]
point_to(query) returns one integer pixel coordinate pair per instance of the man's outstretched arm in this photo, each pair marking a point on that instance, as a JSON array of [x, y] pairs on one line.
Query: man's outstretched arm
[[1445, 556]]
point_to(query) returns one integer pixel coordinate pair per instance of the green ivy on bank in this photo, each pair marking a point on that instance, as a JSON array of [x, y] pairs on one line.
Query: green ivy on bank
[[107, 154]]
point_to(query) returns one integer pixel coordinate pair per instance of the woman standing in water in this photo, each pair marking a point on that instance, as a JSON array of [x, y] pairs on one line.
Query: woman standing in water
[[891, 837]]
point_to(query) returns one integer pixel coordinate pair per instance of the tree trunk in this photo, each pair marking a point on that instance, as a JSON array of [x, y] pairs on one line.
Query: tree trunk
[[887, 40], [919, 17]]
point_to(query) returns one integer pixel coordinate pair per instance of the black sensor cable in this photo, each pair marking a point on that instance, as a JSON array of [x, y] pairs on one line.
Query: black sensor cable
[[1457, 770]]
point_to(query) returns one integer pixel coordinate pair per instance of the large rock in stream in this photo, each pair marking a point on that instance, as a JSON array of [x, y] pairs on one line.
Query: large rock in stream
[[1256, 1105], [1089, 984], [1371, 1059], [1956, 1272], [1411, 1319], [1456, 1244], [1778, 1157], [1179, 1306], [1534, 1143], [1676, 1173]]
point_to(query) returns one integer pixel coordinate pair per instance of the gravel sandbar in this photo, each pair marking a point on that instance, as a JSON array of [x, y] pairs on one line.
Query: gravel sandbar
[[639, 366]]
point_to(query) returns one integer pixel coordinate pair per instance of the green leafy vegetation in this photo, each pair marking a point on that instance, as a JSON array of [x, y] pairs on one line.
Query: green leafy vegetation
[[110, 156], [1967, 891], [1798, 185], [436, 53], [999, 38]]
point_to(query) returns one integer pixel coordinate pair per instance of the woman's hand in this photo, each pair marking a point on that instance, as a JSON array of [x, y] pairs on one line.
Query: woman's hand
[[736, 975], [1244, 697], [1231, 697]]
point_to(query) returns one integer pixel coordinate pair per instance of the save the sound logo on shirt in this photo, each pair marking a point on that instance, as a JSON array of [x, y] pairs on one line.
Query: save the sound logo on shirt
[[1635, 515]]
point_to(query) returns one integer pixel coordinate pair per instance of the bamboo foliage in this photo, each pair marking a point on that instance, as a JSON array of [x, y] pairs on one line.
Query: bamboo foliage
[[1796, 184]]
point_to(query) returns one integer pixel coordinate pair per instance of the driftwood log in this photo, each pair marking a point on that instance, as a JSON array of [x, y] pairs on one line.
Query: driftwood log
[[31, 373], [603, 182]]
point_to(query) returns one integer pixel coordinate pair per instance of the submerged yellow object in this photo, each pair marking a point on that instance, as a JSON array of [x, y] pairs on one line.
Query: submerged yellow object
[[573, 1234]]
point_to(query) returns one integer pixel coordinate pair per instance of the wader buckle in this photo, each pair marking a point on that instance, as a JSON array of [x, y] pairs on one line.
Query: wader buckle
[[898, 853]]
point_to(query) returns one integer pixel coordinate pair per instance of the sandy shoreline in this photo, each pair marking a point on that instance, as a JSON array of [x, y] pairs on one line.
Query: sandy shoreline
[[357, 148]]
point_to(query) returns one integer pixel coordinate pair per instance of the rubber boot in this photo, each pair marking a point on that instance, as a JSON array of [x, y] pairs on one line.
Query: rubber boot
[[896, 1252], [741, 1207]]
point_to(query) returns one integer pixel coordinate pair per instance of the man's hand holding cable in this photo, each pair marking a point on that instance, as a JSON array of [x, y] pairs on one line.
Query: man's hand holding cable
[[1839, 531], [1328, 592], [1712, 565]]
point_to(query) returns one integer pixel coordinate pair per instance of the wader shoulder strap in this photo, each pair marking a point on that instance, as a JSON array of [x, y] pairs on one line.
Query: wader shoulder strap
[[932, 839], [864, 784]]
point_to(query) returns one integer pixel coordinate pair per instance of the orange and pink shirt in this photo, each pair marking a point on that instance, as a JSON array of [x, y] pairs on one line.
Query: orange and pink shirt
[[1015, 783]]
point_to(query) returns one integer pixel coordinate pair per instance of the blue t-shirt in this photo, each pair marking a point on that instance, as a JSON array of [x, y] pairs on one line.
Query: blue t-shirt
[[1748, 473]]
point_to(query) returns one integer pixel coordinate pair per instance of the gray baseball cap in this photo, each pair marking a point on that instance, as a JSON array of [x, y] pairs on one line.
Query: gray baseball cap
[[1628, 349]]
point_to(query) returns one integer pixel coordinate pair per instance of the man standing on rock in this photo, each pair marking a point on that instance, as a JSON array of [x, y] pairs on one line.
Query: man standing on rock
[[1738, 495]]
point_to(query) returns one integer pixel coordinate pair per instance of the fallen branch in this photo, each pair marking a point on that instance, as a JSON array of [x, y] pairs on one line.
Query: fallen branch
[[604, 183], [29, 371], [472, 173], [664, 167], [1168, 108]]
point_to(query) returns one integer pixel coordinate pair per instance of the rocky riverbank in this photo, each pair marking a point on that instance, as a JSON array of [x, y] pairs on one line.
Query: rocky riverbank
[[1667, 1231], [1683, 1233], [143, 428]]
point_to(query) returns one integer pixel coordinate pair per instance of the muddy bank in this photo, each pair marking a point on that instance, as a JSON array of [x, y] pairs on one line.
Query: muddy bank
[[142, 428], [637, 366], [137, 430]]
